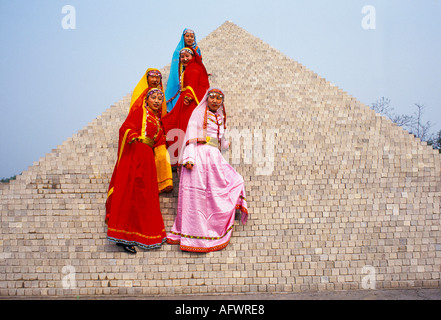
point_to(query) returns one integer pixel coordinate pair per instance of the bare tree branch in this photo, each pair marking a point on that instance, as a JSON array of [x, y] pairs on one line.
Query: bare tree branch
[[412, 123]]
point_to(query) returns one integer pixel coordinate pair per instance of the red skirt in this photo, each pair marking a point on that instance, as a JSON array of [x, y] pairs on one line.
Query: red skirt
[[135, 216]]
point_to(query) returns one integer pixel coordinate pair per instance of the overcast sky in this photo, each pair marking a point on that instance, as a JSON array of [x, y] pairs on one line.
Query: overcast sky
[[58, 72]]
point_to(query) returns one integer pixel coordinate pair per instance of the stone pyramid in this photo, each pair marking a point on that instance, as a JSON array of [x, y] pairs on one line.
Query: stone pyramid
[[340, 198]]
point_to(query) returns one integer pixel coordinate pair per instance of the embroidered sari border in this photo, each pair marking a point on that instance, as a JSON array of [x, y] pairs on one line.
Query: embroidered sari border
[[198, 249], [136, 233], [201, 238]]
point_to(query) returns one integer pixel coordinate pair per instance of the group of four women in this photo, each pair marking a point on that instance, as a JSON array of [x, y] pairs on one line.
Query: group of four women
[[184, 128]]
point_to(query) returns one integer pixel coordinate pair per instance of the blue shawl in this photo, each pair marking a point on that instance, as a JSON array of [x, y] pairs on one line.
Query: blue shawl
[[173, 85]]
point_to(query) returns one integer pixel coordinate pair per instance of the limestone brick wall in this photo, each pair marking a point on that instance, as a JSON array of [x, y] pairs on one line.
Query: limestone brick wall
[[339, 197]]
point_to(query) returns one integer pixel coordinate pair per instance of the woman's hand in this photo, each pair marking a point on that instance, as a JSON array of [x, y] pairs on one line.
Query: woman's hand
[[187, 100], [189, 166]]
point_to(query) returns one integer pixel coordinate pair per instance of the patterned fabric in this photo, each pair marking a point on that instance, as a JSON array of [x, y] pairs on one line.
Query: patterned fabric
[[154, 90], [216, 90], [154, 72], [186, 50]]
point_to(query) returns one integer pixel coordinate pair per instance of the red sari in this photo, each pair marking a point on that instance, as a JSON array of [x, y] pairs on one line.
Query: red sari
[[133, 212], [194, 84]]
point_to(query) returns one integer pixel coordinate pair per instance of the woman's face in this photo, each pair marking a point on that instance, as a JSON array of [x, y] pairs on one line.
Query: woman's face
[[186, 57], [154, 101], [189, 39], [214, 101], [153, 81]]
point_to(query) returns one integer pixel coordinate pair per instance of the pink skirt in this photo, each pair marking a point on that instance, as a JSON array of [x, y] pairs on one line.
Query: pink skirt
[[209, 196]]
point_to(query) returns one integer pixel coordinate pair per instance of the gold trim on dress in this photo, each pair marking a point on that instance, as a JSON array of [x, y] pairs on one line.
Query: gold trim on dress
[[146, 140], [212, 142]]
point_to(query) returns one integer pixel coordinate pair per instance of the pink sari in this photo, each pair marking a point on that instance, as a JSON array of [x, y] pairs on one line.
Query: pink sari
[[210, 194]]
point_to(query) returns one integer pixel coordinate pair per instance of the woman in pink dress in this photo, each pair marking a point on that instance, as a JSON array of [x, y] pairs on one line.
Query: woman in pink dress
[[210, 190]]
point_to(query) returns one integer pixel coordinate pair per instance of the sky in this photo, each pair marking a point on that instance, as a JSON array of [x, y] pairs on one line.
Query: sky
[[60, 69]]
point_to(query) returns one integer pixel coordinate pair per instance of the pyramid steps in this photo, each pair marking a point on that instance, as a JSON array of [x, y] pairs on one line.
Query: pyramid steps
[[345, 190]]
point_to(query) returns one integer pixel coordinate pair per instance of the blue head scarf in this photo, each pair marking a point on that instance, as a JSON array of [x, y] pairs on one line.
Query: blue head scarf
[[173, 86]]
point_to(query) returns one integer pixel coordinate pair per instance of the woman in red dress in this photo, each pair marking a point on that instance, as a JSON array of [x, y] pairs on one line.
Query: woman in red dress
[[133, 212], [194, 84], [153, 79]]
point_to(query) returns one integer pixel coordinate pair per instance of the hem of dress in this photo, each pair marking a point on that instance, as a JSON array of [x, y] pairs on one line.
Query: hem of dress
[[242, 208], [197, 249], [165, 186], [138, 244]]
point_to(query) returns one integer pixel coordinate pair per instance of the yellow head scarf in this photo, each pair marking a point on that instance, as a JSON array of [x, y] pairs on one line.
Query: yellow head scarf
[[141, 89]]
